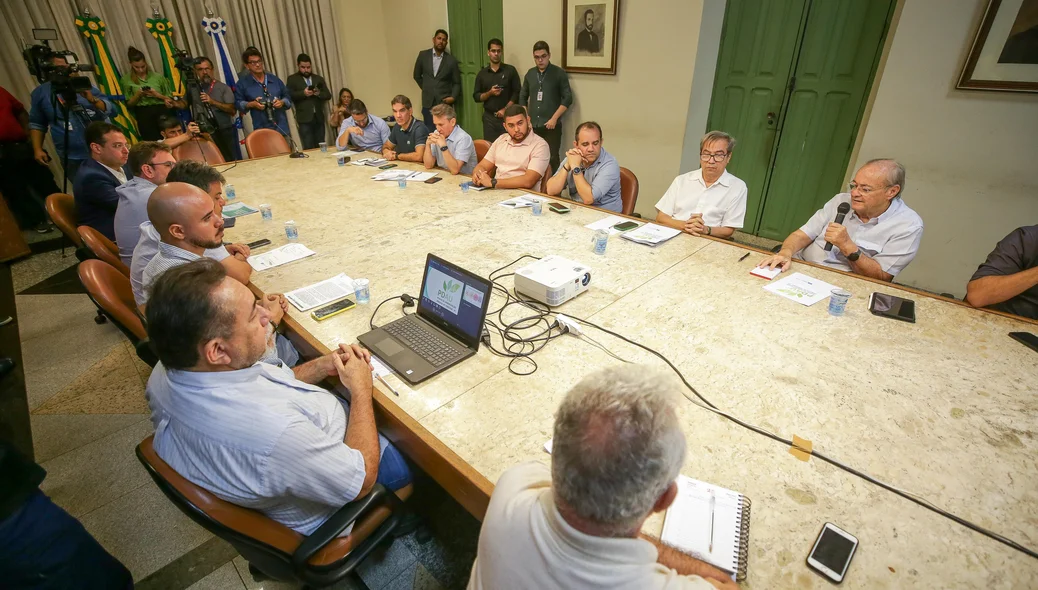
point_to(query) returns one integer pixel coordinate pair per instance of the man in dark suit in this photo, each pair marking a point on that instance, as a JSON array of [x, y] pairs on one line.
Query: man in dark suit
[[436, 73], [98, 177], [587, 40], [308, 92]]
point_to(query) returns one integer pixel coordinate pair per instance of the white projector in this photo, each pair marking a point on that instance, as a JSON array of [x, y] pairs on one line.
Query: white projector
[[553, 280]]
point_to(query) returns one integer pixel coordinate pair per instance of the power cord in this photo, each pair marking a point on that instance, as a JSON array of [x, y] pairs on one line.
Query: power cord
[[408, 302]]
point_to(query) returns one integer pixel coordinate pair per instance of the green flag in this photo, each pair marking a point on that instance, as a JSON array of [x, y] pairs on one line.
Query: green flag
[[93, 28], [162, 30]]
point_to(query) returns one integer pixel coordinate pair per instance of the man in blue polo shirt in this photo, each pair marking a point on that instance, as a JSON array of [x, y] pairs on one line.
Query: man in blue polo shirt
[[46, 114], [407, 139], [362, 130], [449, 146], [589, 173], [264, 94]]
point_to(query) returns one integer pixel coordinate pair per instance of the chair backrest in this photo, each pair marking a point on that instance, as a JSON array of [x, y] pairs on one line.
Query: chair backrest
[[482, 147], [110, 289], [199, 150], [544, 179], [258, 538], [62, 210], [266, 142], [628, 190], [103, 248]]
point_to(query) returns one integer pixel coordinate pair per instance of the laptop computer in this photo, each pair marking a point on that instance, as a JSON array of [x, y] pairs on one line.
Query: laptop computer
[[443, 332]]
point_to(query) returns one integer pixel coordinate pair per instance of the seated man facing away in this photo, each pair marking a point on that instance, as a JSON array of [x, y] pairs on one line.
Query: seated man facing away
[[362, 130], [173, 133], [879, 236], [98, 177], [449, 146], [407, 138], [1008, 279], [710, 200], [589, 174], [617, 449], [519, 156], [150, 162], [234, 257], [258, 435]]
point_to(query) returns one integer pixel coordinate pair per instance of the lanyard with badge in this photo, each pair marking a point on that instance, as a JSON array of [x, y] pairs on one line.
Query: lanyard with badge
[[540, 85]]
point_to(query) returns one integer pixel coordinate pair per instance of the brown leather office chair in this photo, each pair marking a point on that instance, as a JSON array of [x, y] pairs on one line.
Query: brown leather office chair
[[266, 142], [273, 549], [102, 248], [482, 147], [628, 190], [111, 292], [62, 210], [199, 150], [544, 180]]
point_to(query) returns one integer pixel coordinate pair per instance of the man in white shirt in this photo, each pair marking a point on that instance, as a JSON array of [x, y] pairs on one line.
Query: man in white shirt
[[616, 451], [255, 434], [709, 201], [878, 237]]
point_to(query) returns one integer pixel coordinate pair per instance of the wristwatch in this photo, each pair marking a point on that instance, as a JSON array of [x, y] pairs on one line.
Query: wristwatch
[[493, 183], [443, 148], [854, 256], [578, 170]]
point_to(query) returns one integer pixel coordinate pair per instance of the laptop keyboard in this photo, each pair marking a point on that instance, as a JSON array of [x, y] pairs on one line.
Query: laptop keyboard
[[427, 344]]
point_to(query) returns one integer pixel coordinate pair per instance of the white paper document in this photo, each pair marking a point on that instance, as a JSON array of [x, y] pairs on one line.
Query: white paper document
[[277, 257], [367, 161], [408, 175], [801, 288], [523, 200], [651, 234], [766, 273], [318, 294], [547, 445], [687, 525], [607, 223], [379, 368], [237, 210]]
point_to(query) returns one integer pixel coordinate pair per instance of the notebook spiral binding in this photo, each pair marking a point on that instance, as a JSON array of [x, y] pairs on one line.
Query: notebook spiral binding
[[743, 555]]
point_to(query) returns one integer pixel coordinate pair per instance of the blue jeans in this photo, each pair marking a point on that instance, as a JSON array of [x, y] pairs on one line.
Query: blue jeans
[[393, 471], [43, 547]]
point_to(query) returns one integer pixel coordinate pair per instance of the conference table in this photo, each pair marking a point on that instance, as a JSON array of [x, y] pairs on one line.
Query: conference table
[[945, 408]]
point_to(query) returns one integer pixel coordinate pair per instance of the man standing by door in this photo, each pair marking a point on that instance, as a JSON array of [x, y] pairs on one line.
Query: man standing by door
[[308, 92], [497, 87], [436, 72], [546, 96]]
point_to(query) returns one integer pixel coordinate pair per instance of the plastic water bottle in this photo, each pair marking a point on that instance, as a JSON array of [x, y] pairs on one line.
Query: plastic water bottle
[[291, 231], [537, 207], [362, 290], [266, 212], [228, 192], [599, 241]]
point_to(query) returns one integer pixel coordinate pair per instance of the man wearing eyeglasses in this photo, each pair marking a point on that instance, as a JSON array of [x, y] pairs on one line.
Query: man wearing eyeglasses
[[150, 162], [878, 237], [709, 201], [264, 93]]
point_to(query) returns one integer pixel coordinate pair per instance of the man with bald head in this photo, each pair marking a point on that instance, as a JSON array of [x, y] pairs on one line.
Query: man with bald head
[[879, 236]]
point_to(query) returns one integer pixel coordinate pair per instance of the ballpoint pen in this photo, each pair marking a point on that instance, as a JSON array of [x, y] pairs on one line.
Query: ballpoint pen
[[383, 382], [713, 503], [744, 256]]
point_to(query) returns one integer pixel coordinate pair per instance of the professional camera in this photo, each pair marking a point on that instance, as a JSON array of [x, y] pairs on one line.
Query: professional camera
[[201, 113], [65, 80]]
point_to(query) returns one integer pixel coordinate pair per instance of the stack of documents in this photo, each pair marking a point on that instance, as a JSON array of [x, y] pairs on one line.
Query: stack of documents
[[607, 224], [523, 200], [801, 288], [278, 256], [408, 175], [651, 234], [318, 294], [369, 162], [237, 210]]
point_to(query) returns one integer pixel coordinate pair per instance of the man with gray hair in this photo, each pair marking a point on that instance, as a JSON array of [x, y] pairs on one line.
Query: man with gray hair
[[617, 449], [879, 236], [709, 201]]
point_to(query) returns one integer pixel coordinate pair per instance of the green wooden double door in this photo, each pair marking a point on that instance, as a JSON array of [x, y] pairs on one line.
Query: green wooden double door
[[792, 80], [472, 24]]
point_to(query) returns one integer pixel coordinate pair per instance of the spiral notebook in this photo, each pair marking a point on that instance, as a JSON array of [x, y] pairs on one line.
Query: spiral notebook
[[687, 525]]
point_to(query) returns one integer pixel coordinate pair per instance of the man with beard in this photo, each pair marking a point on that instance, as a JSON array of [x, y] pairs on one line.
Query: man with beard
[[497, 87], [436, 73], [519, 157], [588, 40], [220, 98]]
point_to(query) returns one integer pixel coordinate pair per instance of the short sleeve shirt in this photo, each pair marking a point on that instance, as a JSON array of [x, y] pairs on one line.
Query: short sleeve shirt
[[722, 204], [604, 178], [514, 159], [460, 145], [406, 140], [1016, 252]]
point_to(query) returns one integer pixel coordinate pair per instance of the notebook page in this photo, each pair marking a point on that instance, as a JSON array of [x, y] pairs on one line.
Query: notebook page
[[687, 524]]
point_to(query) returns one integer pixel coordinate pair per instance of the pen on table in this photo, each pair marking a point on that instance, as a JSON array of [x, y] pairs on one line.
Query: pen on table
[[713, 503], [744, 256], [383, 381]]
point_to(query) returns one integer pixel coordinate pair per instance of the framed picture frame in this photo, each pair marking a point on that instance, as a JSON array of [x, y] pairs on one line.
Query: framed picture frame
[[1004, 54], [589, 36]]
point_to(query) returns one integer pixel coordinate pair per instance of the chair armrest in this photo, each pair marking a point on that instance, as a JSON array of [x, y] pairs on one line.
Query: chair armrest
[[343, 517]]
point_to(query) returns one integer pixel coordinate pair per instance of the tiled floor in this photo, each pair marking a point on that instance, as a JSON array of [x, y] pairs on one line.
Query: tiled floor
[[86, 394]]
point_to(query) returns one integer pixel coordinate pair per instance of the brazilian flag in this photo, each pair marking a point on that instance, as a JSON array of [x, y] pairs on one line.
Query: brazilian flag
[[162, 30], [93, 28]]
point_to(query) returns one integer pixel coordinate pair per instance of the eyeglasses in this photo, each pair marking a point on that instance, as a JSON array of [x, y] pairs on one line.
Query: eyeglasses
[[865, 189], [253, 62], [708, 157], [155, 164]]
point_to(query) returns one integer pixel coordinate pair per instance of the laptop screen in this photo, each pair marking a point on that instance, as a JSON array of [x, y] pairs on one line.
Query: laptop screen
[[454, 299]]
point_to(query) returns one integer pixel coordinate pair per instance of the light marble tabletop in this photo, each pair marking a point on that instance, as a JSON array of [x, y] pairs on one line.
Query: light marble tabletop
[[945, 408]]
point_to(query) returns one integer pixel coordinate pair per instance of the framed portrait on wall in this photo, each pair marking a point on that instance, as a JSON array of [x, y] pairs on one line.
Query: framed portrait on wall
[[589, 34], [1004, 55]]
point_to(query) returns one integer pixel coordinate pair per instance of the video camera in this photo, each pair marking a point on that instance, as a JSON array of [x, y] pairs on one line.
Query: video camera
[[201, 112], [64, 79]]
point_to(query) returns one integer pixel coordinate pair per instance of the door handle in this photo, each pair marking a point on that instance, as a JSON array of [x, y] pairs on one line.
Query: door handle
[[771, 119]]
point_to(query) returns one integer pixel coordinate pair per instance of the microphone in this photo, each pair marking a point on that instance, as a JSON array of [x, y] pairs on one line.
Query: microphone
[[841, 212]]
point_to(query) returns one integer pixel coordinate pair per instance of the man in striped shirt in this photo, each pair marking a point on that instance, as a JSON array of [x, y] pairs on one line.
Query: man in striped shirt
[[255, 434]]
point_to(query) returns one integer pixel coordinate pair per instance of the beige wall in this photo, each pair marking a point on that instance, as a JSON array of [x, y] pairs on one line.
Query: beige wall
[[970, 155], [643, 108]]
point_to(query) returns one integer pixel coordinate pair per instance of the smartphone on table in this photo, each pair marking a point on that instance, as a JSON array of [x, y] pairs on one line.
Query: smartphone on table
[[1026, 338], [625, 225], [558, 208], [832, 552], [434, 180]]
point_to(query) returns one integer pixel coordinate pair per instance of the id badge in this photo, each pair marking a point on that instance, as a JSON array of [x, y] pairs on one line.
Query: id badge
[[69, 126], [540, 95]]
